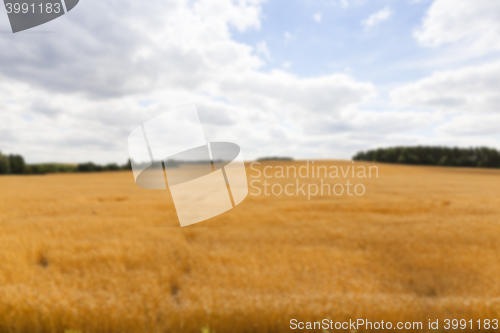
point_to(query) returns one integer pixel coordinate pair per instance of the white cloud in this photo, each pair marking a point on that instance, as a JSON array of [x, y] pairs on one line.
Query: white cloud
[[378, 17], [317, 17], [475, 24], [469, 99], [473, 89], [375, 124], [342, 3], [288, 37], [262, 48], [468, 125], [176, 38], [74, 96], [469, 95]]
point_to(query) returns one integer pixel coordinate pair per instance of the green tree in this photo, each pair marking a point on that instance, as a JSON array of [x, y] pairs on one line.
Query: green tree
[[89, 167], [128, 165], [4, 164], [445, 156], [17, 164], [112, 167]]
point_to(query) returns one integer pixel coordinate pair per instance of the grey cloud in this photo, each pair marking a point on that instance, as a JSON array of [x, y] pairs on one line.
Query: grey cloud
[[375, 123], [470, 89], [471, 125], [83, 84]]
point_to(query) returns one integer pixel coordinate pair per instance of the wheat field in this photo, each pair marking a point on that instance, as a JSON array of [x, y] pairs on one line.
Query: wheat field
[[95, 253]]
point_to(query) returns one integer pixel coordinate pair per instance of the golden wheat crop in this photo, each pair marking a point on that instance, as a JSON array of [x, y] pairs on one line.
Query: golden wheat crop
[[95, 253]]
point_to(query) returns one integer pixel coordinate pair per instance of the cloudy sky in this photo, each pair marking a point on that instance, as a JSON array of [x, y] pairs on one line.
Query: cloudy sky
[[302, 78]]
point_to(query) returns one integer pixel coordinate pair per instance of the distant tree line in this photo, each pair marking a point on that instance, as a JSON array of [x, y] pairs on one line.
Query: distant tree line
[[482, 157], [91, 167], [15, 164], [274, 158]]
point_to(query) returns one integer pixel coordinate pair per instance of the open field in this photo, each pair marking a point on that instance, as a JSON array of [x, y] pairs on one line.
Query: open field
[[95, 253]]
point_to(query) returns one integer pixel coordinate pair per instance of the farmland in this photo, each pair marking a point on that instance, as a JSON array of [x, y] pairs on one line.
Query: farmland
[[95, 253]]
